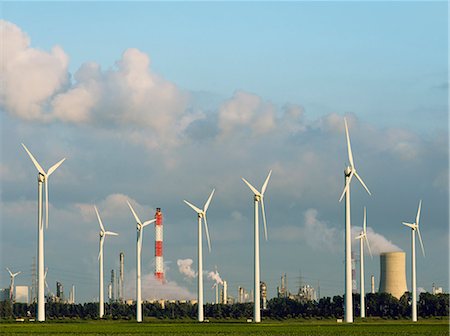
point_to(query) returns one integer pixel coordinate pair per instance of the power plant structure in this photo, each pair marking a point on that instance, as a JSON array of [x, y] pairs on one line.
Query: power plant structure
[[159, 262], [393, 273], [121, 275], [372, 284], [225, 292], [263, 288]]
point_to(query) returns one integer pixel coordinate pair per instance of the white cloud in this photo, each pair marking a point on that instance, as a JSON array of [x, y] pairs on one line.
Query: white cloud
[[246, 111], [30, 76]]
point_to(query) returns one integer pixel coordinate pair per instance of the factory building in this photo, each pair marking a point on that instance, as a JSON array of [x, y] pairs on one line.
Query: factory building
[[393, 273], [21, 295]]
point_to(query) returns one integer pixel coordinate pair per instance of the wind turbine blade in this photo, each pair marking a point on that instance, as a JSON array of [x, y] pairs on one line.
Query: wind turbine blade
[[359, 237], [148, 222], [362, 182], [110, 233], [412, 226], [263, 189], [102, 240], [134, 213], [264, 217], [208, 201], [36, 164], [252, 188], [10, 273], [99, 219], [197, 210], [368, 246], [54, 167], [349, 147], [46, 202], [347, 185], [16, 274], [418, 213], [207, 233], [364, 221], [420, 240]]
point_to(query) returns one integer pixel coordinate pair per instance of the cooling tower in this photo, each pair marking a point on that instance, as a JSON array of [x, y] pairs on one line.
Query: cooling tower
[[393, 273]]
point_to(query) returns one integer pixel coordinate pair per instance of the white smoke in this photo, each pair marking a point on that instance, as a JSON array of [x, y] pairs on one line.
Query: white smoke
[[184, 266], [378, 243], [215, 276], [154, 289]]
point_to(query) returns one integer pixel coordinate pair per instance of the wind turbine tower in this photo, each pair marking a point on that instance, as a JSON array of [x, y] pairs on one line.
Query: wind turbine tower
[[201, 214], [414, 227], [139, 228], [349, 172], [159, 262], [363, 237], [42, 179], [258, 198], [11, 284], [102, 234]]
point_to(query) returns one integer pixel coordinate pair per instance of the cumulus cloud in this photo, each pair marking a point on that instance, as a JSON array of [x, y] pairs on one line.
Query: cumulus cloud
[[317, 233], [246, 111], [185, 268], [30, 76], [113, 206]]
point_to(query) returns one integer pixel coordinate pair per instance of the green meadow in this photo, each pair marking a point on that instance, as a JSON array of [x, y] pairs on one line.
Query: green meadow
[[313, 328]]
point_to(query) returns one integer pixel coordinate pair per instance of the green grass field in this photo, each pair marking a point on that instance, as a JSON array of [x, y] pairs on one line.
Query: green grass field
[[316, 328]]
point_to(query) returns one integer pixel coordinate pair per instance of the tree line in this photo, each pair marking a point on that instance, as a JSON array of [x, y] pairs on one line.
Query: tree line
[[381, 305]]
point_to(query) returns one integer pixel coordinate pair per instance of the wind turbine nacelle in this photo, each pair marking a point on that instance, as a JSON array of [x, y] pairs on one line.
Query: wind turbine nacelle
[[102, 234], [347, 171]]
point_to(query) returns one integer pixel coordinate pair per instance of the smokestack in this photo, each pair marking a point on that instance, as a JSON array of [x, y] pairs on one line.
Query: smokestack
[[372, 283], [159, 262], [225, 292], [393, 273], [113, 285], [121, 275]]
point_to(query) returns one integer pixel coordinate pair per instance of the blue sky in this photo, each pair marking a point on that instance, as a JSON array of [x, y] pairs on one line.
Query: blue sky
[[184, 97]]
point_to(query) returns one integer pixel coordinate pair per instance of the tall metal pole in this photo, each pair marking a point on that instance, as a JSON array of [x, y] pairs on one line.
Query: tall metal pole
[[348, 254], [413, 276], [257, 308], [138, 278], [101, 306], [361, 269], [200, 271], [40, 251]]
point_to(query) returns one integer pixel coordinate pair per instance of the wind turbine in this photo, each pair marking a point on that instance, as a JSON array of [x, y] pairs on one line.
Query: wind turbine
[[362, 237], [349, 172], [139, 227], [42, 178], [201, 214], [258, 197], [103, 233], [414, 227], [11, 285]]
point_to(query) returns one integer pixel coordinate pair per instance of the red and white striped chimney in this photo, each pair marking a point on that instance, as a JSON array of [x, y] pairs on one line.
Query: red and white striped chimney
[[159, 263]]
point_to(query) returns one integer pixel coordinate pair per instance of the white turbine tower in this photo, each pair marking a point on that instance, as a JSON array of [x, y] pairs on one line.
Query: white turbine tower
[[258, 197], [139, 228], [201, 214], [11, 284], [415, 227], [362, 237], [42, 178], [102, 235], [349, 173]]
